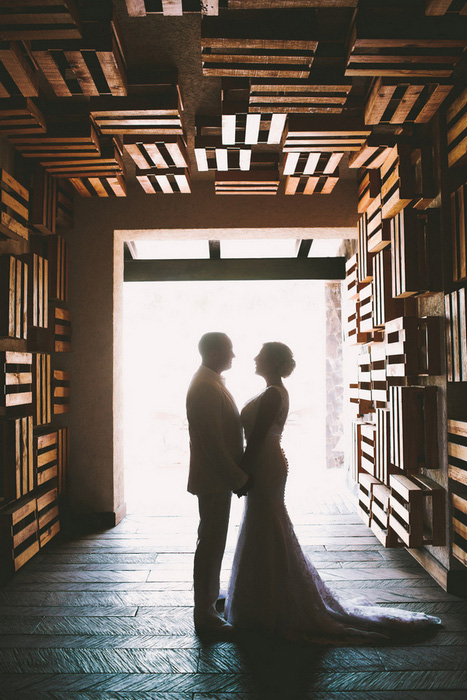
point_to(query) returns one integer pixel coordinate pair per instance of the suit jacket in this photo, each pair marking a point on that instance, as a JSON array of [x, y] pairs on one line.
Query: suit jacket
[[216, 443]]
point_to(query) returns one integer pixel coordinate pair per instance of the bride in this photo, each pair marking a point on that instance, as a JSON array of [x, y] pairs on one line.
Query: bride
[[273, 587]]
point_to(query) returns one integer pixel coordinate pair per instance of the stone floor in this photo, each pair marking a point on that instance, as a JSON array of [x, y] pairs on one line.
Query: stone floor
[[108, 616]]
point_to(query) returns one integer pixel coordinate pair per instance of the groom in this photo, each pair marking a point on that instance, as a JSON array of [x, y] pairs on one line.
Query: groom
[[216, 448]]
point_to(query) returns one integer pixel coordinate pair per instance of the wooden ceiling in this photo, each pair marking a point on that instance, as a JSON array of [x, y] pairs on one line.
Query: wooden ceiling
[[257, 96]]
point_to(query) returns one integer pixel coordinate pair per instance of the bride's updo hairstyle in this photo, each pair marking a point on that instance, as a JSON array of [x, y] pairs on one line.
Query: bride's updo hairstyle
[[282, 356]]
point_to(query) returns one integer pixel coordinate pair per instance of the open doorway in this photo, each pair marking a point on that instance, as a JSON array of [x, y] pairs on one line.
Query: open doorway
[[163, 322]]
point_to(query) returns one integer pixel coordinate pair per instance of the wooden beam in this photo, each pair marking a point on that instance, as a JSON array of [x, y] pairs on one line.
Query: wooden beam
[[304, 248], [235, 269], [214, 250]]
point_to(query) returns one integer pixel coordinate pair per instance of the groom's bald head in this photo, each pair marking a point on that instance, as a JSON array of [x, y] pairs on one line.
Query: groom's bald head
[[216, 351]]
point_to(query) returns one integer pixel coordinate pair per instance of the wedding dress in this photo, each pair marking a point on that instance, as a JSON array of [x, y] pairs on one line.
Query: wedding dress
[[273, 587]]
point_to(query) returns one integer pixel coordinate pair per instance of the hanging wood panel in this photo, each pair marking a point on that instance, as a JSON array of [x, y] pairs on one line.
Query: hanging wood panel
[[20, 116], [413, 346], [404, 101], [307, 133], [19, 534], [48, 519], [457, 451], [98, 185], [382, 436], [413, 428], [310, 184], [379, 515], [147, 153], [42, 388], [289, 96], [19, 73], [459, 527], [46, 457], [456, 335], [365, 262], [385, 307], [16, 382], [24, 20], [171, 8], [13, 297], [254, 182], [408, 512], [38, 290], [317, 164], [369, 188], [14, 207], [456, 118], [62, 329], [366, 483], [440, 7], [156, 115], [43, 214], [57, 255], [16, 450], [240, 129], [61, 392], [162, 181], [459, 233], [379, 388]]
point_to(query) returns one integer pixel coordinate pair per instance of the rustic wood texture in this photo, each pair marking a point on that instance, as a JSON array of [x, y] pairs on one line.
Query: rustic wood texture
[[459, 527], [289, 96], [22, 19], [20, 541], [316, 164], [169, 152], [171, 8], [414, 524], [413, 346], [13, 297], [457, 451], [403, 101], [42, 388], [456, 335], [254, 182], [385, 307], [240, 129], [61, 392], [379, 516], [441, 7], [456, 118], [62, 329], [366, 310], [16, 450], [252, 44], [48, 520], [306, 133], [366, 482], [365, 262], [43, 213], [413, 253], [382, 436], [164, 181], [46, 457], [38, 290], [14, 207], [373, 152], [20, 116], [459, 233], [57, 255], [369, 188], [100, 185], [156, 115], [16, 381], [310, 184], [20, 70], [65, 205], [413, 427]]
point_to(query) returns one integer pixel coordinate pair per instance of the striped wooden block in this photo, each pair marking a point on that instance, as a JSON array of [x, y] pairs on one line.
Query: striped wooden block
[[147, 153], [397, 186], [24, 20], [65, 204], [61, 392], [48, 519], [57, 255], [224, 158], [378, 229], [100, 185], [365, 262], [382, 435], [94, 65], [378, 376], [43, 214], [162, 181], [259, 45], [413, 428], [42, 388], [457, 131], [171, 8], [355, 448], [456, 335], [63, 454], [299, 96], [457, 450], [366, 482], [156, 115], [16, 450], [19, 540], [367, 448], [310, 184], [414, 253], [316, 164], [20, 74], [38, 290], [440, 7], [379, 515], [404, 101], [254, 182], [308, 133], [413, 346], [72, 141], [369, 188], [14, 207], [385, 307], [20, 116], [352, 285], [364, 379], [414, 522], [372, 153], [459, 233], [274, 4], [108, 164], [417, 51], [240, 130], [16, 382], [459, 527], [366, 308], [13, 297], [62, 329], [46, 457]]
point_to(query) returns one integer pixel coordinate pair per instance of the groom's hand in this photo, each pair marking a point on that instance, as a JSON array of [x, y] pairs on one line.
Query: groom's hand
[[245, 488]]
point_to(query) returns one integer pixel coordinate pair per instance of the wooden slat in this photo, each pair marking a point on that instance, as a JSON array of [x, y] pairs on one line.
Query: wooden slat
[[19, 531]]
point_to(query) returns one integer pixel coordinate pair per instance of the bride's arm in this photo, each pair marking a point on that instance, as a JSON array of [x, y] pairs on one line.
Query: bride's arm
[[267, 413]]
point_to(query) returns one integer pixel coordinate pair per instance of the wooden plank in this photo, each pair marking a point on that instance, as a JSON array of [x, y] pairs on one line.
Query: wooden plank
[[19, 69]]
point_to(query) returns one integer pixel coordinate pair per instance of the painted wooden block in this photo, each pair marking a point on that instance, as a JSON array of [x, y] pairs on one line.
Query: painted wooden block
[[24, 20], [100, 185], [369, 189], [289, 96], [365, 262], [57, 255], [457, 450], [16, 382], [16, 450], [316, 164], [456, 118], [415, 521], [42, 388], [158, 114], [385, 307], [414, 253], [459, 233], [456, 335], [413, 346], [366, 483], [310, 184], [164, 181], [62, 329], [48, 519], [147, 153], [240, 130], [382, 438], [413, 428], [254, 182], [366, 308], [459, 527], [418, 50], [378, 376], [367, 449], [351, 278], [61, 391], [171, 8], [379, 515], [20, 116], [38, 290], [255, 44], [19, 539], [14, 207], [402, 101], [310, 133], [13, 297]]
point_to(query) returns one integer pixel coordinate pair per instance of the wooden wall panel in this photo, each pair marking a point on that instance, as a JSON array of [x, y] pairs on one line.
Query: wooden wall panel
[[457, 131], [48, 516], [13, 297], [456, 335], [57, 255], [459, 527], [413, 428], [459, 233], [414, 523], [42, 388], [61, 392], [20, 116], [394, 101], [16, 451], [457, 451], [14, 207], [43, 214], [19, 537], [413, 346], [414, 243], [38, 290], [22, 19], [16, 383], [379, 515]]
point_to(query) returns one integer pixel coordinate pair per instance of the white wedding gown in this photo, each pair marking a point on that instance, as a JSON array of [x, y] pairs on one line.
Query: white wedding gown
[[273, 587]]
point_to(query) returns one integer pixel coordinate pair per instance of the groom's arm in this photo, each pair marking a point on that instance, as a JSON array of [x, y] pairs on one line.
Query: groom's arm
[[205, 410]]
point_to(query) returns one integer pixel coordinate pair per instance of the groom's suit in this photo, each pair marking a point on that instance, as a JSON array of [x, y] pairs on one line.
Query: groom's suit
[[216, 448]]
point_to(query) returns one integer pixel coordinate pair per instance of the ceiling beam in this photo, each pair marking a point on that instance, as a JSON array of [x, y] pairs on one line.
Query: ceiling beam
[[235, 269]]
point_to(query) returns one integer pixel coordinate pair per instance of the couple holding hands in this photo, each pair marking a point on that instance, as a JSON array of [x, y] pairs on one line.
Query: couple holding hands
[[273, 587]]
